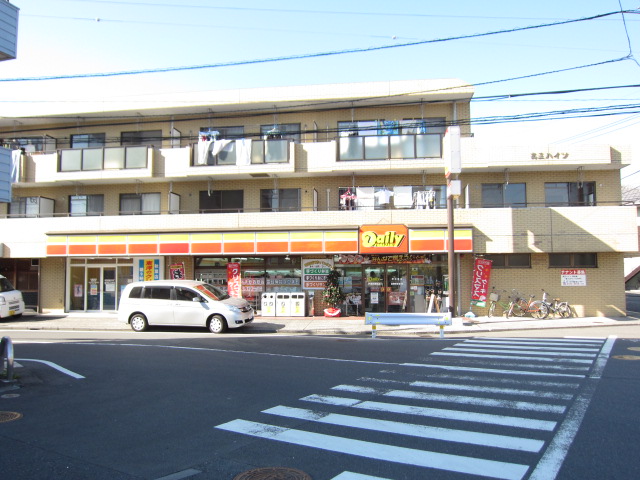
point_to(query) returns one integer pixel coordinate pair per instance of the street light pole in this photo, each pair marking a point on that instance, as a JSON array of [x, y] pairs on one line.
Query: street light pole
[[451, 254]]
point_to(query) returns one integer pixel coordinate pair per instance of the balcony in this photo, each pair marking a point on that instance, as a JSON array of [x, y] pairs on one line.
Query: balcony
[[382, 147]]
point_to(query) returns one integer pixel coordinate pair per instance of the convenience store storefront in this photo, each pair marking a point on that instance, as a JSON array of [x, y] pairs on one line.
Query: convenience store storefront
[[384, 267]]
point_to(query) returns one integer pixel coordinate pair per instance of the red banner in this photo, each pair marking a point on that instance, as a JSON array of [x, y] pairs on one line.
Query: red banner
[[234, 284], [480, 283]]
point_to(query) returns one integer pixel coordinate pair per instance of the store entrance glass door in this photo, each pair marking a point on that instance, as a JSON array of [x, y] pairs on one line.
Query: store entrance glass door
[[101, 288], [386, 288]]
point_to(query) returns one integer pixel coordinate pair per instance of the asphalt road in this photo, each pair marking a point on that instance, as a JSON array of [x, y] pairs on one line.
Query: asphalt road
[[188, 405]]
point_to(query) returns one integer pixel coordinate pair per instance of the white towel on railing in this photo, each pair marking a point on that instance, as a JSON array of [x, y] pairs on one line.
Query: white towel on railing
[[243, 151], [403, 197]]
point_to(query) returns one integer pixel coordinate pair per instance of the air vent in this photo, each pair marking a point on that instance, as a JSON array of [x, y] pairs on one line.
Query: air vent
[[259, 175]]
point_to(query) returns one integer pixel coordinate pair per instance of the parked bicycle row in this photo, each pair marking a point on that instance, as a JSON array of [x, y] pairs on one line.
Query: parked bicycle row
[[516, 304]]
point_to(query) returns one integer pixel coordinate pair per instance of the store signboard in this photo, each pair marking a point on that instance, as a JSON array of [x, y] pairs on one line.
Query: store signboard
[[234, 280], [573, 277], [315, 272], [480, 281], [383, 239]]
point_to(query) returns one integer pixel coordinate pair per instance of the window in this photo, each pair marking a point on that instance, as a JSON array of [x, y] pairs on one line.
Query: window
[[158, 293], [222, 201], [512, 195], [510, 260], [144, 137], [88, 140], [570, 194], [136, 204], [359, 128], [186, 295], [31, 207], [82, 205], [573, 260], [281, 131], [282, 200], [43, 143]]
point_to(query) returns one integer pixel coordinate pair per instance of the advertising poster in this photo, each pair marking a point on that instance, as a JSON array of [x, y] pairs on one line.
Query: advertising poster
[[149, 269], [480, 282], [176, 271], [234, 280], [315, 272]]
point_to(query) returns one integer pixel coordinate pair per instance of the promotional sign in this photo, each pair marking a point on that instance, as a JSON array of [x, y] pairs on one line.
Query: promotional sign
[[176, 271], [148, 270], [480, 283], [234, 280], [573, 277], [315, 272], [381, 239]]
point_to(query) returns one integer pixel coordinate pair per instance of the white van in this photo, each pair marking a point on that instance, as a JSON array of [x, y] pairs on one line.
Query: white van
[[186, 303], [11, 302]]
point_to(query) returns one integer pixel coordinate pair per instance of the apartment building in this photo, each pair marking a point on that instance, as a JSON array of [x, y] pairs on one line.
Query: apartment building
[[262, 191]]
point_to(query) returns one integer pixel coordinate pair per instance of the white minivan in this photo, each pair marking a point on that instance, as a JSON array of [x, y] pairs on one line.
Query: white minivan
[[11, 301], [186, 303]]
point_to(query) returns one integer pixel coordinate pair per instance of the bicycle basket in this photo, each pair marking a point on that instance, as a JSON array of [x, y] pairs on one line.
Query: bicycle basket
[[494, 297]]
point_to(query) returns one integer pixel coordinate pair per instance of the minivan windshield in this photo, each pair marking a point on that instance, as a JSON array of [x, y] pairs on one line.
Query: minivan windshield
[[212, 291], [5, 285]]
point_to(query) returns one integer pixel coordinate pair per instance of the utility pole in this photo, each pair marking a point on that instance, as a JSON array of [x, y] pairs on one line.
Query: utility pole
[[453, 166]]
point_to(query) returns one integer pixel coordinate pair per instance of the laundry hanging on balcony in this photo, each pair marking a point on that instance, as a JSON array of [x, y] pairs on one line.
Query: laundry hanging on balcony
[[208, 143], [243, 151]]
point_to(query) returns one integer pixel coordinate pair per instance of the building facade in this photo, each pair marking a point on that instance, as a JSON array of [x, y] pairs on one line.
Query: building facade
[[263, 191]]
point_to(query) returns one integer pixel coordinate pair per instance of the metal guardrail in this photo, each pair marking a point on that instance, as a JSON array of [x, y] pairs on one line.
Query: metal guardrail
[[6, 352]]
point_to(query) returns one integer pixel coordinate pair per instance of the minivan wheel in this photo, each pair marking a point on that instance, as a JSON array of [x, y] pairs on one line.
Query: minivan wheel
[[217, 324], [139, 322]]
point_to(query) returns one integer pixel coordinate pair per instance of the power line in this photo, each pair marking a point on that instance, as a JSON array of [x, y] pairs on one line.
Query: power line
[[311, 55]]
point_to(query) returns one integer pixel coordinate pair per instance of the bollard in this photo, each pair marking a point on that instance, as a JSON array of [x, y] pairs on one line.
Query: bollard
[[441, 331], [373, 331], [6, 351]]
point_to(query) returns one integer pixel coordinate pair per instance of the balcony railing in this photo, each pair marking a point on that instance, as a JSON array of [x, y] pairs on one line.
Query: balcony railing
[[103, 158], [382, 147], [240, 152]]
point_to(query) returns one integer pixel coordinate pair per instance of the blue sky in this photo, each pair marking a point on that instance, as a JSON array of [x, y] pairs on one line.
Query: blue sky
[[67, 37]]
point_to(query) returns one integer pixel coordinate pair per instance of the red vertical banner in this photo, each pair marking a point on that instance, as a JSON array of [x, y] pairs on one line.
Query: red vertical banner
[[480, 284], [234, 280]]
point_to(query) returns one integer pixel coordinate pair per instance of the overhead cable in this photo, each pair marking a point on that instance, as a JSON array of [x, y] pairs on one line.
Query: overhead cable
[[310, 55]]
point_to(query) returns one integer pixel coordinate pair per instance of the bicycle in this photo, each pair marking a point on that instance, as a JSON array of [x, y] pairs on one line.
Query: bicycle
[[536, 309], [557, 307], [494, 299]]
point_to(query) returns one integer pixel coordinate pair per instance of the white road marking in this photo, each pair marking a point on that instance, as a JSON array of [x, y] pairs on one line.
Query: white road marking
[[496, 371], [478, 388], [459, 415], [530, 353], [567, 345], [475, 378], [408, 456], [527, 348], [53, 365], [486, 402], [356, 476], [555, 340], [511, 357], [413, 430], [553, 458]]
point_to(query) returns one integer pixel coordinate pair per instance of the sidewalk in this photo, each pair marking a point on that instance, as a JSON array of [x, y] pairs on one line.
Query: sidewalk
[[320, 325]]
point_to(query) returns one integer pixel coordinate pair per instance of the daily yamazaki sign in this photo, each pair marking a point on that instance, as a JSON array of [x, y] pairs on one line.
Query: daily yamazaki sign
[[383, 239]]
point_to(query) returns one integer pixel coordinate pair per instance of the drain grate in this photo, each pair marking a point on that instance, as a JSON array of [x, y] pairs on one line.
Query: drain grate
[[9, 416], [273, 473]]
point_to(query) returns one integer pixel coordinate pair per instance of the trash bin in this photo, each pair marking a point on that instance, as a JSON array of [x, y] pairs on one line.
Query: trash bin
[[298, 304], [268, 305], [283, 304]]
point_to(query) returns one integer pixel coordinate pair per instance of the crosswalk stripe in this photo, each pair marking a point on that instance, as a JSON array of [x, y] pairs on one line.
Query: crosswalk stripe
[[511, 357], [356, 476], [390, 453], [568, 346], [550, 340], [496, 370], [523, 351], [487, 402], [508, 391], [477, 378], [527, 348], [413, 430], [460, 415]]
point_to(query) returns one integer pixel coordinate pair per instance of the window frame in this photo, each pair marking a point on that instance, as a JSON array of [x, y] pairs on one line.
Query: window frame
[[278, 200], [87, 213], [222, 201], [141, 138], [572, 260], [92, 140], [504, 195], [140, 211], [501, 260], [581, 198]]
